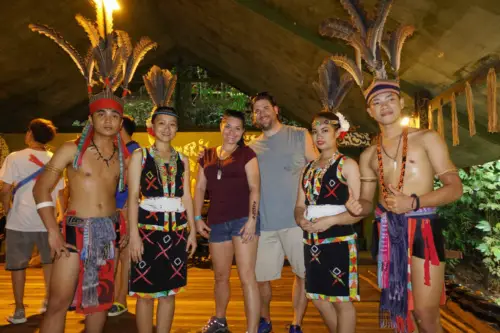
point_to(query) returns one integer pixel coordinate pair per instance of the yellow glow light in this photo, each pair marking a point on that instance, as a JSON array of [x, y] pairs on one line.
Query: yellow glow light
[[110, 5], [405, 121]]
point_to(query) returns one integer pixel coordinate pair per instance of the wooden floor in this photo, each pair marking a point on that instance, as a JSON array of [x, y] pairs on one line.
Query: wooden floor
[[195, 306]]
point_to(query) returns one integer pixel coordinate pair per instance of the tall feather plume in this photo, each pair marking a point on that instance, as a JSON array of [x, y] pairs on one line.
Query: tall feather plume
[[346, 83], [376, 30], [66, 46], [160, 85], [90, 28], [100, 17], [349, 66], [90, 66], [123, 40], [330, 87], [144, 46], [398, 38], [103, 55], [104, 19], [335, 28], [357, 14]]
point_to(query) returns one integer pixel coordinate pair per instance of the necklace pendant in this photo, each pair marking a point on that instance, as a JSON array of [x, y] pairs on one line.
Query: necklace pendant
[[219, 174], [395, 165]]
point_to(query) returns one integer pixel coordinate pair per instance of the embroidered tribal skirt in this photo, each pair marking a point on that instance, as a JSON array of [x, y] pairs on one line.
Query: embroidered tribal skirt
[[332, 269], [163, 269], [95, 240]]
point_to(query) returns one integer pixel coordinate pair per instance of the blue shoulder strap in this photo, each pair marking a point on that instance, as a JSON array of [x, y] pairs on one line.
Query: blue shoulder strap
[[26, 180]]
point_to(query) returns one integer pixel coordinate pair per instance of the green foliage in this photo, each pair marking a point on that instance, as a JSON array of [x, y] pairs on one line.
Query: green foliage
[[206, 105], [139, 109], [490, 247], [480, 201]]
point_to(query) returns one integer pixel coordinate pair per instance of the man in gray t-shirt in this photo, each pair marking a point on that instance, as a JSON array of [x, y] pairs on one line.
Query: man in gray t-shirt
[[282, 151]]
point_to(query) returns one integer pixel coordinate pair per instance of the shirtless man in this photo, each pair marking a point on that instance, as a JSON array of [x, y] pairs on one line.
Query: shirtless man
[[92, 205], [84, 248], [404, 162]]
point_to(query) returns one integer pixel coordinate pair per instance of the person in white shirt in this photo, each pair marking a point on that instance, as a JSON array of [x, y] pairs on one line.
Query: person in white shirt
[[24, 226]]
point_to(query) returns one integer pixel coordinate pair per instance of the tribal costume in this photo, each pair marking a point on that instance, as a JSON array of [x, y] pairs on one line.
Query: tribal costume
[[162, 216], [110, 63], [330, 256], [365, 33]]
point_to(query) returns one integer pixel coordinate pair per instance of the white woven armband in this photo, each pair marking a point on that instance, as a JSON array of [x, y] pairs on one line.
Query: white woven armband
[[45, 204]]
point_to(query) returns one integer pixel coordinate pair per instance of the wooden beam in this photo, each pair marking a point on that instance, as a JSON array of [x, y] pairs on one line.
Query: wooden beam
[[477, 77]]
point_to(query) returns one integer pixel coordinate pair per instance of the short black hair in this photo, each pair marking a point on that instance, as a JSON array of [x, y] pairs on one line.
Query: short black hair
[[43, 130], [129, 124], [263, 95]]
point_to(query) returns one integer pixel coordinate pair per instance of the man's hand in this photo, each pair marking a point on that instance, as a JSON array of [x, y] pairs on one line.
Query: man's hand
[[247, 232], [202, 228], [136, 246], [353, 206], [398, 202], [191, 243], [124, 239], [319, 225], [58, 245]]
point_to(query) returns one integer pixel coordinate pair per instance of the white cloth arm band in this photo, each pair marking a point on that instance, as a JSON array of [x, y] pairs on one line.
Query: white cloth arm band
[[45, 204]]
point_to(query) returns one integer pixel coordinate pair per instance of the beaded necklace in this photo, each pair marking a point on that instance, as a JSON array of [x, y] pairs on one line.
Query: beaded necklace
[[314, 177], [385, 193], [166, 169]]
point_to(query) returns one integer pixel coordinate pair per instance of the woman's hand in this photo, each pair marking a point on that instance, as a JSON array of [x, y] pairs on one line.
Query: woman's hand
[[136, 247], [203, 228], [191, 243], [247, 232]]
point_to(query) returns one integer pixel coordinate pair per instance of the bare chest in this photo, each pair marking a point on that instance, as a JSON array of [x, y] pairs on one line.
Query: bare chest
[[415, 170]]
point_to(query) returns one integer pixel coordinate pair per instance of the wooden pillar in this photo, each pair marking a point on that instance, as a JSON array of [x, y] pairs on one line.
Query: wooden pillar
[[422, 99]]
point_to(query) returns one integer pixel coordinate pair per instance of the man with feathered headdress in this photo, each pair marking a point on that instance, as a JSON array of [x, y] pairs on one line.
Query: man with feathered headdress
[[409, 240], [96, 167]]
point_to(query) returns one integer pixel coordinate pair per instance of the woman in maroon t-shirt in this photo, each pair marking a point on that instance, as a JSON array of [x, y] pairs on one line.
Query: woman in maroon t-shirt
[[230, 173]]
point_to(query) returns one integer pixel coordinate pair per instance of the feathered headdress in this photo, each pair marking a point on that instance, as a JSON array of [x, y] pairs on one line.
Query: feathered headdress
[[365, 34], [160, 85], [332, 88], [110, 63]]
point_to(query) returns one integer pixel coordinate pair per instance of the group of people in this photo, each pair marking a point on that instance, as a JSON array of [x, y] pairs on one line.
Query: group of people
[[288, 193]]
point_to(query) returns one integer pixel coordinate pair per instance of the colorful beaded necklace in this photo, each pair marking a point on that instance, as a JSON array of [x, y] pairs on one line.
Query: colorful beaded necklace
[[166, 169], [314, 177]]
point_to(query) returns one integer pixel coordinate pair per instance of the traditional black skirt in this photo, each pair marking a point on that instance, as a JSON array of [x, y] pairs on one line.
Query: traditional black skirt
[[332, 269]]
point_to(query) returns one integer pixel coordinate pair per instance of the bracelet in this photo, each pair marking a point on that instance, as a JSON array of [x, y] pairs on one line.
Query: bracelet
[[197, 218], [45, 204], [415, 198]]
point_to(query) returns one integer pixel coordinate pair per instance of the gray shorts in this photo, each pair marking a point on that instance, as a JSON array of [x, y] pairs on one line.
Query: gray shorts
[[19, 248]]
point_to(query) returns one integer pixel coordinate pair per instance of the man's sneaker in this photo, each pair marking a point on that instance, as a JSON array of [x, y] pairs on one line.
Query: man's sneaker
[[117, 309], [265, 326], [19, 317], [295, 329], [215, 325]]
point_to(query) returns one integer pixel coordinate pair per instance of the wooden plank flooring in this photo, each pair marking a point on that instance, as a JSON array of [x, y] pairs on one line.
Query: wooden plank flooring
[[195, 306]]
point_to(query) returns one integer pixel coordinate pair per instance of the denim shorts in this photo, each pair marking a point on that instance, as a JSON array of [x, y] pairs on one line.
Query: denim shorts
[[223, 232]]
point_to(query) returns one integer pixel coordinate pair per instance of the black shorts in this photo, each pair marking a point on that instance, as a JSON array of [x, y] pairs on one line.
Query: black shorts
[[419, 244]]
